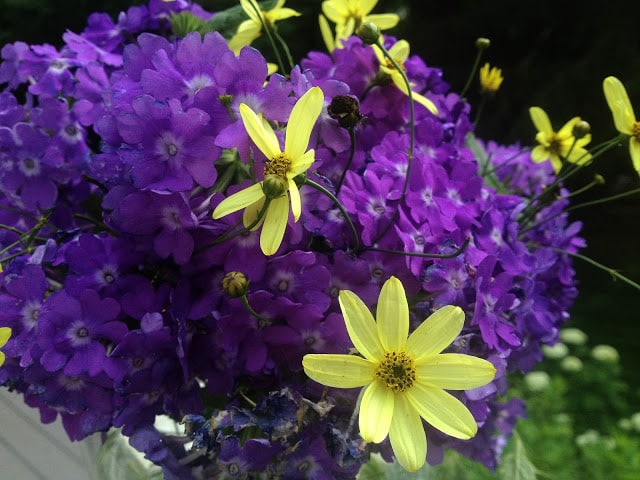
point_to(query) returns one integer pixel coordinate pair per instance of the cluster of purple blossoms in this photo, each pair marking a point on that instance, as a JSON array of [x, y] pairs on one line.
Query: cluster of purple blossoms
[[116, 148]]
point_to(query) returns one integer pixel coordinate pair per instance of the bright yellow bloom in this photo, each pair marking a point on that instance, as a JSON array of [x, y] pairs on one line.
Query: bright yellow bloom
[[280, 169], [400, 52], [348, 15], [404, 378], [623, 116], [5, 333], [490, 79], [251, 29], [558, 146]]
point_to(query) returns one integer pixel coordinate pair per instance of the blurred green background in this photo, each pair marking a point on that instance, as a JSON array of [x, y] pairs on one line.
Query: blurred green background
[[553, 54]]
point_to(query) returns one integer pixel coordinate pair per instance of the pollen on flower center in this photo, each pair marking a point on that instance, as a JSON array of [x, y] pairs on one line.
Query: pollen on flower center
[[397, 370], [278, 165], [636, 129]]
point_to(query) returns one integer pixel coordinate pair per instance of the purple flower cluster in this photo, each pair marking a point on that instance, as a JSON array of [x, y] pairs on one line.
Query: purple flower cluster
[[120, 147]]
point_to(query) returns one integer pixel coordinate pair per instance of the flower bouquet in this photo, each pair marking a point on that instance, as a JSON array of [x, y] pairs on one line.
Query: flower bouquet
[[191, 231]]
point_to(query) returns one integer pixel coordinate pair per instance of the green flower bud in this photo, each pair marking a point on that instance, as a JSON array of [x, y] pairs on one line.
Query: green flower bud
[[557, 351], [605, 353], [274, 186], [537, 381], [571, 364], [581, 129], [235, 284], [573, 336], [482, 43], [369, 33]]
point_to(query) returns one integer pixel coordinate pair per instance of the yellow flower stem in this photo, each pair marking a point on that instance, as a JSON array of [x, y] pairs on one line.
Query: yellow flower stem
[[229, 235], [412, 133], [268, 31], [483, 102], [422, 255], [11, 229], [334, 199], [610, 271], [352, 152], [285, 48], [473, 74], [97, 223], [263, 321]]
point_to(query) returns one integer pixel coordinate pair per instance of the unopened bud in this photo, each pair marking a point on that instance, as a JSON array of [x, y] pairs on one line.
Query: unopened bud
[[369, 33], [482, 43], [274, 186], [599, 179], [235, 284], [581, 129], [346, 110]]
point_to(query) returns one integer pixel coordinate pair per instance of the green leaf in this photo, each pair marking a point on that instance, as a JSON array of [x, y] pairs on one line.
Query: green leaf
[[117, 460], [486, 169], [516, 465], [185, 22], [226, 21]]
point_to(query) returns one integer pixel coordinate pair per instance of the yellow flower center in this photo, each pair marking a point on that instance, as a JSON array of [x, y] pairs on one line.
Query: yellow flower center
[[636, 130], [278, 165], [397, 370]]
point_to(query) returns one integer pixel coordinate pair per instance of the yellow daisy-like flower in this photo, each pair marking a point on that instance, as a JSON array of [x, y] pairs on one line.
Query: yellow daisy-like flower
[[404, 378], [558, 146], [280, 169], [623, 116], [490, 79], [348, 15], [5, 333], [400, 52], [251, 29]]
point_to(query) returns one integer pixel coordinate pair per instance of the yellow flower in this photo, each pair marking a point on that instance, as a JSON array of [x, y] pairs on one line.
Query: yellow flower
[[404, 378], [623, 116], [400, 52], [251, 29], [348, 15], [280, 169], [5, 333], [490, 79], [558, 146]]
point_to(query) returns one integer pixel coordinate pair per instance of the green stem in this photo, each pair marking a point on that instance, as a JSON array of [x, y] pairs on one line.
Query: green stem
[[352, 152], [422, 255], [473, 73], [610, 271], [343, 211], [267, 29], [263, 320]]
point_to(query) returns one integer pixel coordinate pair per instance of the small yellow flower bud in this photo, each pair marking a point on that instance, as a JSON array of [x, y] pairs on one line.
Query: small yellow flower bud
[[557, 351], [573, 336], [605, 353], [235, 284], [599, 179], [537, 381], [581, 129], [490, 79], [571, 364], [274, 186], [369, 33], [482, 43]]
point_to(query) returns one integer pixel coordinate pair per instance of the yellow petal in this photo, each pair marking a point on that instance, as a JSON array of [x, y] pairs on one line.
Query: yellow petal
[[336, 11], [539, 154], [5, 333], [567, 129], [392, 315], [365, 6], [384, 21], [251, 213], [247, 32], [2, 357], [454, 371], [275, 222], [443, 411], [634, 150], [340, 371], [281, 14], [260, 132], [251, 8], [301, 164], [619, 104], [376, 411], [238, 201], [400, 51], [407, 436], [327, 34], [425, 102], [541, 120], [436, 332], [303, 117], [360, 325], [578, 155], [294, 195]]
